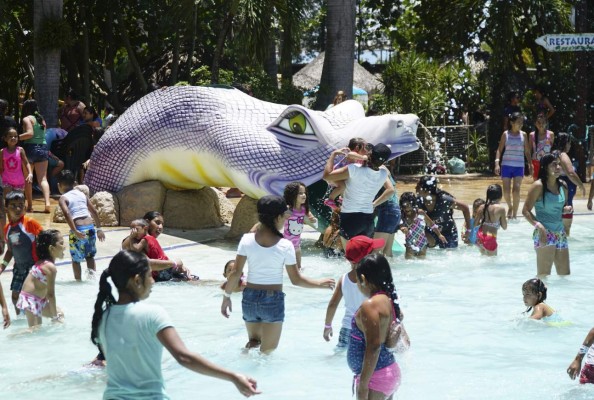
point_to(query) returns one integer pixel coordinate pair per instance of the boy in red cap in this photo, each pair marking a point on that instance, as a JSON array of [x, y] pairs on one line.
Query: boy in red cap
[[356, 249]]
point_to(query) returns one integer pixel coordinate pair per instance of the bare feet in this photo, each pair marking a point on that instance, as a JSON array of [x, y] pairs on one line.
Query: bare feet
[[252, 344]]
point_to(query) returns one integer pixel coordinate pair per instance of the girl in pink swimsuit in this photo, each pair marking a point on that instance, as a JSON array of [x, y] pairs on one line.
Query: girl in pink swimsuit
[[296, 197], [37, 297]]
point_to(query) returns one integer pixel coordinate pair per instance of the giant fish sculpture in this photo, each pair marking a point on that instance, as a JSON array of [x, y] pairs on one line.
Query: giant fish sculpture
[[188, 137]]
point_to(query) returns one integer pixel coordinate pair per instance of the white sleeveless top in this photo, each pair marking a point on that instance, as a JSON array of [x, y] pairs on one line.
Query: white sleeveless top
[[77, 204], [352, 300], [361, 188]]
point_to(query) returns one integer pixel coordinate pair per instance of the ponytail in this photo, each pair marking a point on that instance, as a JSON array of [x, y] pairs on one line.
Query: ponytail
[[104, 297], [39, 119], [377, 271], [268, 221]]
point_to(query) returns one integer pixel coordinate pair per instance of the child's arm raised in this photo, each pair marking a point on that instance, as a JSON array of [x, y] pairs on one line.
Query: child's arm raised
[[25, 165], [433, 226], [331, 310], [574, 368], [100, 234]]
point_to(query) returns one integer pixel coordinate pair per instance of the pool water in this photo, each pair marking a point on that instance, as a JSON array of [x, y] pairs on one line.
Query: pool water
[[463, 312]]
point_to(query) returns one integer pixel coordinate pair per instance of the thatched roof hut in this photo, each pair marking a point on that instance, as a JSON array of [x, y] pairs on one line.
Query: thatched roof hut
[[309, 76]]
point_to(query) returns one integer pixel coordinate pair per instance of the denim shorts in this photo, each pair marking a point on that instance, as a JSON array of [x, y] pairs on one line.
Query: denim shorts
[[388, 217], [263, 305], [36, 152]]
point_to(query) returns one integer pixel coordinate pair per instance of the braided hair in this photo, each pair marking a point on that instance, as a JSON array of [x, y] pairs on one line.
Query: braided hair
[[494, 193], [535, 286], [123, 266], [377, 271]]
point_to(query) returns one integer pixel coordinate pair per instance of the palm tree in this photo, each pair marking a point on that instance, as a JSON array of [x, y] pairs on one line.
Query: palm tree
[[337, 73], [46, 61]]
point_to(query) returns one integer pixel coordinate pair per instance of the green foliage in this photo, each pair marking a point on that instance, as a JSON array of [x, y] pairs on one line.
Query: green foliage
[[54, 33], [476, 149], [202, 76]]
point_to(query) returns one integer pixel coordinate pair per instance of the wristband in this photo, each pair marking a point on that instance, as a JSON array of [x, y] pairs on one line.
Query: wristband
[[227, 295], [583, 350], [328, 326], [496, 160], [536, 223]]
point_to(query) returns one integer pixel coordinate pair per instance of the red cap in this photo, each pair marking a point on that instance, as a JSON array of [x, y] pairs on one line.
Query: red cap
[[360, 246]]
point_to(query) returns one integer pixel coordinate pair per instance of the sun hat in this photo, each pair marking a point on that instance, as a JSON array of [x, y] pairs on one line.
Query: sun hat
[[360, 246]]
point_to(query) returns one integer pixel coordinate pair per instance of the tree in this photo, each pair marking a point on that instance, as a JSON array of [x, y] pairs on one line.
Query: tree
[[337, 73], [47, 14]]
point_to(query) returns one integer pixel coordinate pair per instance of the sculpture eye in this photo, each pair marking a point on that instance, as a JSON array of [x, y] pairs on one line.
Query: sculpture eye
[[296, 123]]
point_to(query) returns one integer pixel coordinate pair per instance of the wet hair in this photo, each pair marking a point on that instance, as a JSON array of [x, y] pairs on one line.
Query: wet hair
[[356, 144], [515, 116], [268, 220], [66, 177], [409, 197], [15, 195], [291, 193], [141, 222], [543, 172], [535, 286], [226, 265], [45, 239], [30, 108], [429, 184], [476, 204], [377, 271], [561, 140], [151, 215], [494, 193], [123, 266]]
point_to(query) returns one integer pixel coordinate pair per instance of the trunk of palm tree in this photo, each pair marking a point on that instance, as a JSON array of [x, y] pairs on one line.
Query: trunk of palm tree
[[220, 47], [193, 31], [111, 82], [337, 73], [131, 54], [175, 58], [86, 80], [270, 66], [46, 62]]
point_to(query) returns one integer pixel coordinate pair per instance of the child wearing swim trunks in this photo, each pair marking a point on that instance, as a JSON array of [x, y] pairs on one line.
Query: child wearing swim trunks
[[79, 214], [356, 248], [37, 298], [491, 218], [359, 150], [20, 232], [587, 372], [414, 221]]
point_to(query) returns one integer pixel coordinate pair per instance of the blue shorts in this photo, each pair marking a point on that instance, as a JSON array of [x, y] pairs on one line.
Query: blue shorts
[[19, 274], [388, 217], [263, 305], [512, 172], [80, 249], [36, 152]]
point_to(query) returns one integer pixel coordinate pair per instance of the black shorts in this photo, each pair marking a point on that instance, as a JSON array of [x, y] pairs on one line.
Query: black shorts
[[355, 224]]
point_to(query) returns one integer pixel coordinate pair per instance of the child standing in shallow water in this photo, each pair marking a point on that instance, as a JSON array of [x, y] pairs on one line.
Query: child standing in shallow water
[[20, 232], [296, 197], [38, 298], [491, 216], [413, 226], [79, 214]]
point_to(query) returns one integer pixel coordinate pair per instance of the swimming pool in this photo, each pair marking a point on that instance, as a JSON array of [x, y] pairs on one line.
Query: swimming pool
[[462, 311]]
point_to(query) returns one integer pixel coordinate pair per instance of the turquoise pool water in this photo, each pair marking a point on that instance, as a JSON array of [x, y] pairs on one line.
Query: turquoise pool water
[[463, 313]]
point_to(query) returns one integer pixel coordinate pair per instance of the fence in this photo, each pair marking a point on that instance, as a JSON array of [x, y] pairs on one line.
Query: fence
[[439, 144]]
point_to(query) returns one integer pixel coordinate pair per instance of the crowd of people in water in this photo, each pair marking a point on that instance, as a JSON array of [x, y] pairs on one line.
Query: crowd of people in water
[[366, 215]]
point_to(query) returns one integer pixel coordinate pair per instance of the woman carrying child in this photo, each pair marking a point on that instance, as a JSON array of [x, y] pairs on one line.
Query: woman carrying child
[[296, 197], [358, 153], [414, 223], [377, 375], [492, 217], [266, 252], [37, 297], [132, 335]]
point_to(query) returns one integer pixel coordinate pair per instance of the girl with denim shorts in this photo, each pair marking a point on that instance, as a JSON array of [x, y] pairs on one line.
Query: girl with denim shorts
[[388, 219], [266, 252], [517, 149]]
